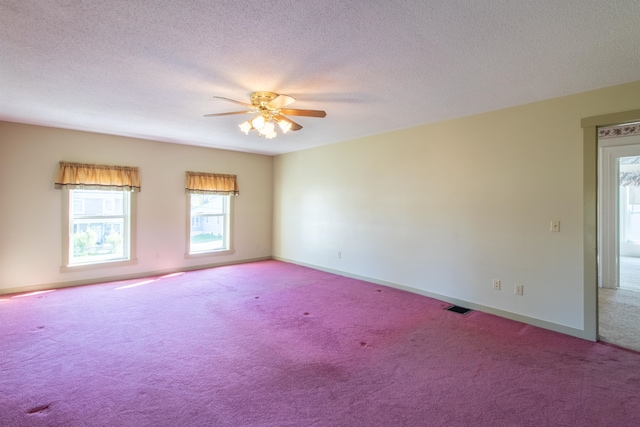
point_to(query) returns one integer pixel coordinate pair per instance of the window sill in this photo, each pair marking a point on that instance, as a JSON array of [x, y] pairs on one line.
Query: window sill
[[96, 266], [209, 254]]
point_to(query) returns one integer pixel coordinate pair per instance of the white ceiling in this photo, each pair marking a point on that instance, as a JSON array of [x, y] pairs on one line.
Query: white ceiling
[[150, 68]]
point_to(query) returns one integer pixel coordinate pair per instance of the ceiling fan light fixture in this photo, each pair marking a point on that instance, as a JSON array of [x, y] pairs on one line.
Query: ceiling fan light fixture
[[245, 127], [285, 126], [268, 128], [258, 122], [268, 110]]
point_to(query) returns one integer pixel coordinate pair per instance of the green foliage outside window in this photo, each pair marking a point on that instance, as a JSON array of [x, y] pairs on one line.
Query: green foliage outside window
[[84, 243], [205, 237], [114, 240]]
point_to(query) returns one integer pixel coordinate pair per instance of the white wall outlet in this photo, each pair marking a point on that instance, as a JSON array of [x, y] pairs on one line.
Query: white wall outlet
[[339, 254], [519, 290], [555, 226], [497, 284]]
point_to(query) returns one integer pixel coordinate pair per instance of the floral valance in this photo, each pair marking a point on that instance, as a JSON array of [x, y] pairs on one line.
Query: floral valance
[[80, 176], [618, 131], [211, 183]]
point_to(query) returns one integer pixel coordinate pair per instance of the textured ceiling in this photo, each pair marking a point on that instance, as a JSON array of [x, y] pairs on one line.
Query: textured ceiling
[[150, 68]]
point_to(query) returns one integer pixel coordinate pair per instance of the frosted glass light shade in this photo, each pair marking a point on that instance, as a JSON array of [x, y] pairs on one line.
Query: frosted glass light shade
[[258, 122], [245, 127], [284, 125], [268, 128]]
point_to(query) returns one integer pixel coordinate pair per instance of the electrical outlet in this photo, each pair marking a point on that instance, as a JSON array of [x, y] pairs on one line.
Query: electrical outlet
[[519, 290], [497, 284], [339, 254]]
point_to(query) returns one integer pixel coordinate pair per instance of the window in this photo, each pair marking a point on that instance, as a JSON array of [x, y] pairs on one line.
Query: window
[[99, 226], [209, 223], [98, 213], [209, 203]]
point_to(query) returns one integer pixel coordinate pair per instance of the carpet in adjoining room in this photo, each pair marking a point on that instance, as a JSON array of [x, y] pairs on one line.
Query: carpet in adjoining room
[[276, 344], [619, 317]]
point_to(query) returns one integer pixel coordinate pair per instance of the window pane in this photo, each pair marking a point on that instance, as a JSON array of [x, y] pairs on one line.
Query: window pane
[[99, 222], [78, 206], [97, 240], [98, 202], [206, 204], [208, 223]]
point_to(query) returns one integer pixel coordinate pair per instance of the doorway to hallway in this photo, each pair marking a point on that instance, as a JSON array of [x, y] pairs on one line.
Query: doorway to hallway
[[619, 212], [619, 241]]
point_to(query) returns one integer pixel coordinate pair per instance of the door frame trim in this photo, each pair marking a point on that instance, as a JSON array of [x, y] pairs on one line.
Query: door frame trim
[[607, 218]]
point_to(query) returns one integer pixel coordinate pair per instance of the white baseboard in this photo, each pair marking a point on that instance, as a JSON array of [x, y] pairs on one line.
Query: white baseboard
[[478, 307], [60, 285]]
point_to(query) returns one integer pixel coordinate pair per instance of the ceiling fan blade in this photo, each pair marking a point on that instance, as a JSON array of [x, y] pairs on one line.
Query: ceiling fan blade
[[280, 101], [308, 113], [294, 126], [244, 104], [228, 114]]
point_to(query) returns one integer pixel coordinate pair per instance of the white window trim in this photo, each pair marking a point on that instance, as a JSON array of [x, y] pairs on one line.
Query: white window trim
[[66, 235]]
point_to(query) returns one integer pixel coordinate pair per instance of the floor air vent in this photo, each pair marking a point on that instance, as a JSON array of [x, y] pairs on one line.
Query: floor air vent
[[458, 309]]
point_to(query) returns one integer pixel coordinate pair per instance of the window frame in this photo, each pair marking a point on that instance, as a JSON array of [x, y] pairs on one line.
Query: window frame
[[67, 225], [227, 217]]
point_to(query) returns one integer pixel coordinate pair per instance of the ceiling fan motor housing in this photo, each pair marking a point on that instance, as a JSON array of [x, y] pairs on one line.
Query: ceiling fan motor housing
[[261, 99]]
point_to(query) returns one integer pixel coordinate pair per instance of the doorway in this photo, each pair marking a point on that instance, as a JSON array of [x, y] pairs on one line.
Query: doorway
[[619, 239], [619, 207]]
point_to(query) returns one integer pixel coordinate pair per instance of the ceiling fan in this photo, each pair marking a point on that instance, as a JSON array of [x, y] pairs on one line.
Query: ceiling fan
[[268, 110]]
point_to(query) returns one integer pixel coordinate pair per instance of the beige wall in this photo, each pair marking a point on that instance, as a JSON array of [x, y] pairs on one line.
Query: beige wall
[[443, 209], [30, 207]]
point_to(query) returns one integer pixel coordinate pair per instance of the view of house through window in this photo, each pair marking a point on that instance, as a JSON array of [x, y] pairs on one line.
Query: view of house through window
[[209, 223], [98, 226]]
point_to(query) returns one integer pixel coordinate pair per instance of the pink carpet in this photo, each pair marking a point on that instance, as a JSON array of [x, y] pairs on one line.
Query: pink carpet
[[275, 344]]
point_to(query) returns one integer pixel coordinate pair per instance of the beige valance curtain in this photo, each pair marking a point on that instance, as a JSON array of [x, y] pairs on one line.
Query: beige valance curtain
[[211, 183], [80, 176]]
